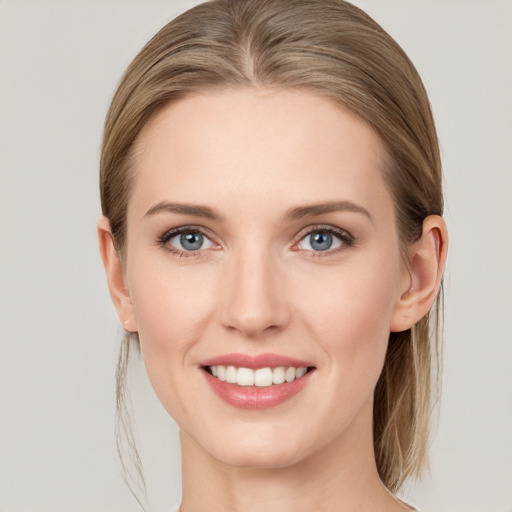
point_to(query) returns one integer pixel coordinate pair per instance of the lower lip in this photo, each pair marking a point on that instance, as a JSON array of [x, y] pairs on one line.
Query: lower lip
[[254, 397]]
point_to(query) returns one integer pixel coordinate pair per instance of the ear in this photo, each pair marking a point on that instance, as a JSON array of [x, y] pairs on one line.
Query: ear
[[422, 277], [116, 278]]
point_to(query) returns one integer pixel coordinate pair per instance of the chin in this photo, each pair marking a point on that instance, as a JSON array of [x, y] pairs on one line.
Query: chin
[[260, 450], [256, 459]]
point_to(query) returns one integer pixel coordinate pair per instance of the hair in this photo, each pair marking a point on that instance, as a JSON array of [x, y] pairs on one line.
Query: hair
[[333, 49]]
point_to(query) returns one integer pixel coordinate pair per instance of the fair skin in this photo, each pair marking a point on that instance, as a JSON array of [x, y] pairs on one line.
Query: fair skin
[[325, 287]]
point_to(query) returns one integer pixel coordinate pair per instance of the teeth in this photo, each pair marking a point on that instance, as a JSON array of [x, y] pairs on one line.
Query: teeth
[[245, 377], [278, 375], [231, 374], [290, 374], [262, 377], [300, 372]]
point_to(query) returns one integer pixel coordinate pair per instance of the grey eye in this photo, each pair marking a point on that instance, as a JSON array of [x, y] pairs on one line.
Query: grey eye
[[320, 241], [190, 241]]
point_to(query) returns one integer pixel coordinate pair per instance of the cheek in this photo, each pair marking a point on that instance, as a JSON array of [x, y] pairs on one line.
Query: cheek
[[349, 313], [172, 307]]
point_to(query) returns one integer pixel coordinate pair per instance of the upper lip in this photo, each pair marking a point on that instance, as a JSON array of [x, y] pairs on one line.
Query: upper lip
[[255, 361]]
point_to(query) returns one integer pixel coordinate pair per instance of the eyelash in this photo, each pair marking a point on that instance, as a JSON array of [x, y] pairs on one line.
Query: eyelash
[[164, 241], [347, 240], [344, 236]]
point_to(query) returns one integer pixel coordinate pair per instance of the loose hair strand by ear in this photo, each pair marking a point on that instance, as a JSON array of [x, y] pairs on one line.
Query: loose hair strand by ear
[[125, 433]]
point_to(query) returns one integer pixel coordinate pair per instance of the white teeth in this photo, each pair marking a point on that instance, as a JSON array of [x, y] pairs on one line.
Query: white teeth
[[290, 374], [245, 377], [300, 372], [231, 374], [278, 375], [262, 377]]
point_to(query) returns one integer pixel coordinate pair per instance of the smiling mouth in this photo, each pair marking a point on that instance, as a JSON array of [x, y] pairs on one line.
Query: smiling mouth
[[261, 377]]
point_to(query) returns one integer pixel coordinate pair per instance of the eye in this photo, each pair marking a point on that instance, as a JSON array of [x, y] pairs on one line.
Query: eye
[[186, 240], [325, 239]]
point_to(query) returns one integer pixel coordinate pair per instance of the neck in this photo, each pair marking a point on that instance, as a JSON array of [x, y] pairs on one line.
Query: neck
[[341, 476]]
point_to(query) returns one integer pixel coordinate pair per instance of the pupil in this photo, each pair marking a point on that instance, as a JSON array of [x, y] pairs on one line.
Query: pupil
[[191, 241], [321, 241]]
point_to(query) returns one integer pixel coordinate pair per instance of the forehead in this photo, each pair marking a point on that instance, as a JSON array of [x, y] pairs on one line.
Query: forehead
[[257, 147]]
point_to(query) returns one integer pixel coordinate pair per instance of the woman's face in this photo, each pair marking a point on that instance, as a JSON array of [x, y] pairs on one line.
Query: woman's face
[[261, 237]]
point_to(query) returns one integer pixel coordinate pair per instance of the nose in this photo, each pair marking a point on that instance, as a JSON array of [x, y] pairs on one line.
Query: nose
[[254, 303]]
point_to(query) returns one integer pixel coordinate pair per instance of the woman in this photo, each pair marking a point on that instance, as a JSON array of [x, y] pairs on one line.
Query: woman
[[273, 242]]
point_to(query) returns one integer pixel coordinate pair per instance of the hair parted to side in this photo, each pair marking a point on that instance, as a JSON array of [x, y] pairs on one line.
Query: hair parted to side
[[335, 50]]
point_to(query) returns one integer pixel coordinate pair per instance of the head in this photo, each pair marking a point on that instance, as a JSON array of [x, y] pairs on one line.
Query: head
[[326, 57]]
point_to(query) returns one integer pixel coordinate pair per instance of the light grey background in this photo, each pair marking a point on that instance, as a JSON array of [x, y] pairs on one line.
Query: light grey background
[[59, 64]]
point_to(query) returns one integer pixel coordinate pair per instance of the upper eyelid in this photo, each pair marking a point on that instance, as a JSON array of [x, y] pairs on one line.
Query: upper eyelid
[[324, 227], [302, 232], [170, 233]]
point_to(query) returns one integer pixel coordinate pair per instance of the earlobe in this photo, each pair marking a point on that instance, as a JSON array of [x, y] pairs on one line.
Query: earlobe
[[427, 258], [116, 278]]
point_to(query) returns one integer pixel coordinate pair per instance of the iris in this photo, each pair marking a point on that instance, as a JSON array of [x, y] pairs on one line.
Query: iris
[[191, 241], [321, 241]]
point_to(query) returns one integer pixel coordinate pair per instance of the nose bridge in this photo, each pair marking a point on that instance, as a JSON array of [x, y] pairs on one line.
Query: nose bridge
[[254, 302]]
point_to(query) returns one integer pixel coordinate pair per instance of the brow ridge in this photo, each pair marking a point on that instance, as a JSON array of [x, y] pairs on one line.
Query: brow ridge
[[196, 210], [312, 210], [293, 214]]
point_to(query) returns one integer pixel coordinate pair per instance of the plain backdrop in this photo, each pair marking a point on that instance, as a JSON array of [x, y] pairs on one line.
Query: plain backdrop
[[60, 62]]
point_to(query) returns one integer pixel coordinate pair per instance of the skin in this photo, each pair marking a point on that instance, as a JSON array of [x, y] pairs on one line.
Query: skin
[[257, 285]]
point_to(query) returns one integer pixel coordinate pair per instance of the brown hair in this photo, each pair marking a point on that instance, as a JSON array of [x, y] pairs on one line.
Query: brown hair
[[333, 49]]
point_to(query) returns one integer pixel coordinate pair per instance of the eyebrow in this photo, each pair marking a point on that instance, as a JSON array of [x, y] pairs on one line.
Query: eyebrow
[[297, 213], [312, 210], [195, 210]]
